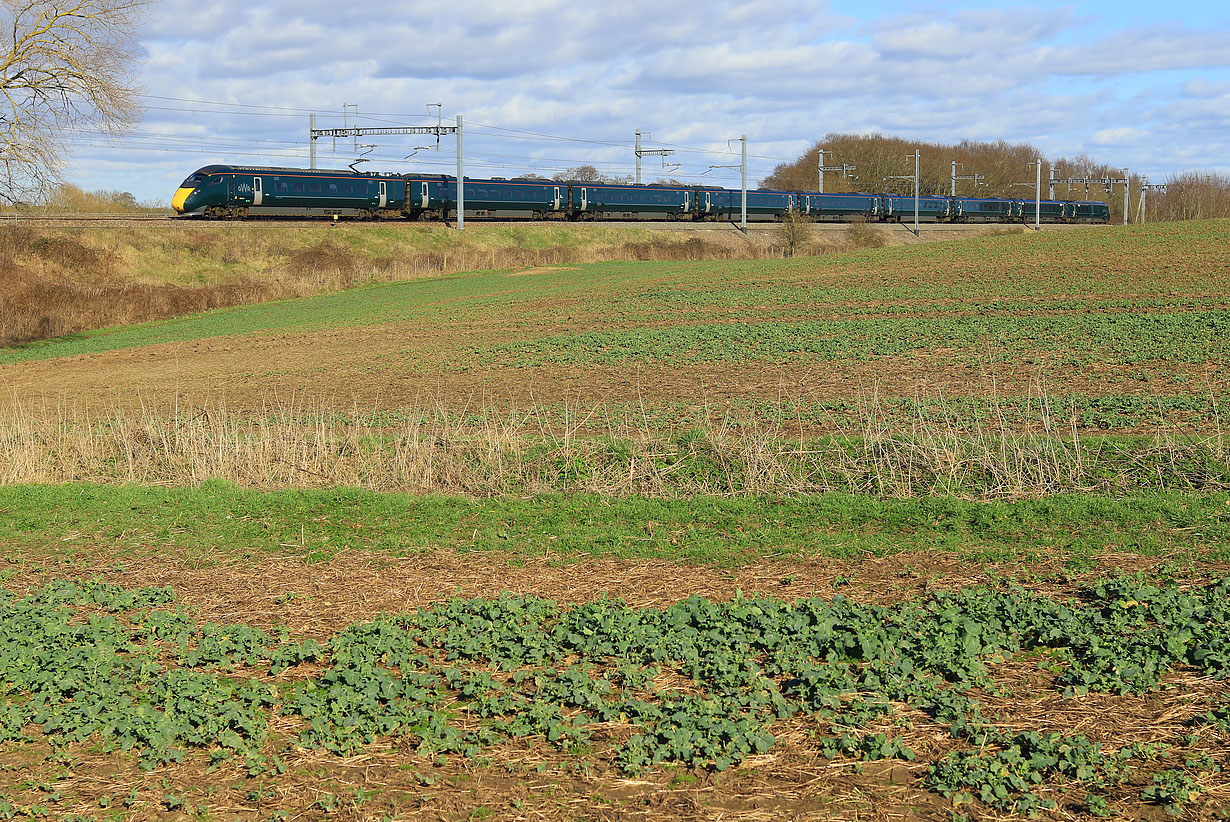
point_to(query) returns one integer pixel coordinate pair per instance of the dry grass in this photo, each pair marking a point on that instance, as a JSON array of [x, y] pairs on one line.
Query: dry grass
[[293, 445], [861, 235]]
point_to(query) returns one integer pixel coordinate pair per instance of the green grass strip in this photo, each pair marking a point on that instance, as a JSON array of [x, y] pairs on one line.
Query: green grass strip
[[221, 522]]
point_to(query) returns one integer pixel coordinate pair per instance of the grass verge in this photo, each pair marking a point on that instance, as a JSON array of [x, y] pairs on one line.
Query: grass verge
[[220, 523]]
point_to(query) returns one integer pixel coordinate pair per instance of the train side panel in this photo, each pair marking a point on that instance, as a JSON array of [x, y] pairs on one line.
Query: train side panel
[[984, 209], [528, 199], [838, 206], [1049, 211], [599, 201], [930, 209]]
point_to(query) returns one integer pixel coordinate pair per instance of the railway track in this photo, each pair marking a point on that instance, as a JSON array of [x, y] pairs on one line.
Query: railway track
[[14, 218], [67, 218]]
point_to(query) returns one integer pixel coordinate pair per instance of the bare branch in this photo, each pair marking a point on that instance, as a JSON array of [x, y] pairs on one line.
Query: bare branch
[[67, 66]]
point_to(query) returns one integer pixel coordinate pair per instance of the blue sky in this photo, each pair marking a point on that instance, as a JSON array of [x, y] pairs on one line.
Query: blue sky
[[550, 84]]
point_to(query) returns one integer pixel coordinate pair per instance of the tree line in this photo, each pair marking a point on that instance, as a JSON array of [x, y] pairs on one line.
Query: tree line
[[886, 165]]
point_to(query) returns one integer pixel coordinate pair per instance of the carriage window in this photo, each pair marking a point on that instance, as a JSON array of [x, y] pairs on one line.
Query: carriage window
[[282, 187], [333, 188], [313, 187], [297, 186]]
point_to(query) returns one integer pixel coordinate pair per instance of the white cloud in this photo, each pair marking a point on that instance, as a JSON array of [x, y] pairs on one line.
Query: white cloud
[[1124, 136], [784, 71]]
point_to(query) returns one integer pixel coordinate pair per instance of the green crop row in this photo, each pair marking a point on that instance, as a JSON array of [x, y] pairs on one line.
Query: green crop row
[[126, 670], [1179, 337]]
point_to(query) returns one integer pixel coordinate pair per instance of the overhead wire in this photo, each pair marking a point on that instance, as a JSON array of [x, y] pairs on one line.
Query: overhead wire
[[521, 133], [293, 150]]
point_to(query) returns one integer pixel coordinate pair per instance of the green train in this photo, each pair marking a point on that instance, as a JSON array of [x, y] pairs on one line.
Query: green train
[[239, 192]]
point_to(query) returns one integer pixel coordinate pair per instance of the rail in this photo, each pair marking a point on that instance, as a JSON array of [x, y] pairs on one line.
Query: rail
[[69, 216]]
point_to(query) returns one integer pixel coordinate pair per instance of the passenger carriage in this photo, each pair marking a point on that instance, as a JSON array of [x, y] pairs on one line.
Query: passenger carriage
[[1049, 211], [930, 209], [838, 206], [727, 204], [607, 201], [984, 209], [239, 191]]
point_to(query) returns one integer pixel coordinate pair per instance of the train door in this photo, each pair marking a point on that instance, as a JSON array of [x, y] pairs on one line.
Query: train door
[[687, 201], [708, 202], [558, 203], [384, 194], [257, 194], [585, 199], [424, 196]]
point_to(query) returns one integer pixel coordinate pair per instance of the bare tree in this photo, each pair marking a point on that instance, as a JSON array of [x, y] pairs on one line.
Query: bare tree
[[65, 66], [793, 233], [581, 174]]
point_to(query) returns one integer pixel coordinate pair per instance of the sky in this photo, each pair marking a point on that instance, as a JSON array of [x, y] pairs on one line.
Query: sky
[[546, 85]]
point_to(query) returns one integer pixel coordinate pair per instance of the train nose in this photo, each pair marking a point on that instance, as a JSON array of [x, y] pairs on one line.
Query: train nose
[[181, 196]]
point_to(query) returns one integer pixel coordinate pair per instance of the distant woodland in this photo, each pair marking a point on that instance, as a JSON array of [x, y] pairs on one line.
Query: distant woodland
[[1007, 170]]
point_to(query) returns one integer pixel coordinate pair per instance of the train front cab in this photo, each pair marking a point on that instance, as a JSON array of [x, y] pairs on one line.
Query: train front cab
[[189, 185], [204, 188]]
